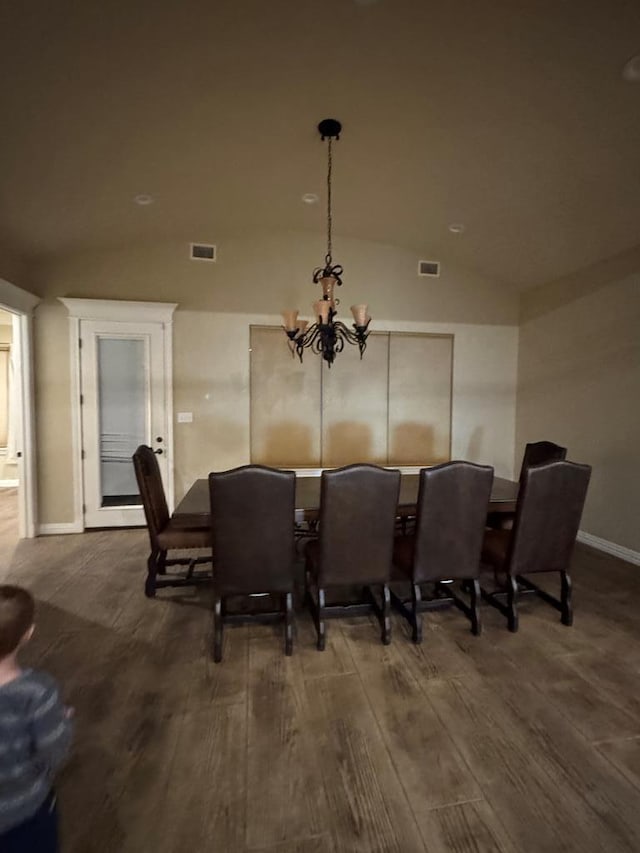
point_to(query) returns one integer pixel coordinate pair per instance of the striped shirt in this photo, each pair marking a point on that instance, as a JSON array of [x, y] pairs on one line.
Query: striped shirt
[[35, 736]]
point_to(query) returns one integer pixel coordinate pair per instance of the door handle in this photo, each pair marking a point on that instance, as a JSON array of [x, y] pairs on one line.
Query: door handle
[[159, 451]]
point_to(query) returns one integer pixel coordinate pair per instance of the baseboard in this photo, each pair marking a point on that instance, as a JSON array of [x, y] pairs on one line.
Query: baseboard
[[8, 484], [610, 547], [58, 529]]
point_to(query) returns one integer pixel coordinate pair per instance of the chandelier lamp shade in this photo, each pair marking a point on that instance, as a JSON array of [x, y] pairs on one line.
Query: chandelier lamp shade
[[327, 335]]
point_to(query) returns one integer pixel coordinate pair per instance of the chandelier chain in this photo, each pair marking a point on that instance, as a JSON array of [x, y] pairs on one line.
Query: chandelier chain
[[328, 257]]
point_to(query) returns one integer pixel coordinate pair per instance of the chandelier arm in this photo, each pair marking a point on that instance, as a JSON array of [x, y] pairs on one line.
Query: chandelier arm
[[356, 337], [352, 335], [309, 336]]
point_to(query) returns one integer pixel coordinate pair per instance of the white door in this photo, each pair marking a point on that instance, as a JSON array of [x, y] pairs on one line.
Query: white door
[[124, 403]]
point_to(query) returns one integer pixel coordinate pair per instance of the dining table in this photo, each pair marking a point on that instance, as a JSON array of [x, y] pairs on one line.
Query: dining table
[[194, 510]]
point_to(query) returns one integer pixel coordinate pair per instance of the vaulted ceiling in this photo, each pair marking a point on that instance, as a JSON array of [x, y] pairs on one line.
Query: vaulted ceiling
[[511, 117]]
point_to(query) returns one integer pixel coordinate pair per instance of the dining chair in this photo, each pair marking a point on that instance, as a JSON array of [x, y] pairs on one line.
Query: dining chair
[[358, 505], [547, 519], [538, 452], [453, 499], [252, 528], [535, 453], [164, 534]]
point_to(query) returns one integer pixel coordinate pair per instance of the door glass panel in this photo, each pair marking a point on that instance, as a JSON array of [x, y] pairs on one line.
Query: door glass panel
[[122, 406]]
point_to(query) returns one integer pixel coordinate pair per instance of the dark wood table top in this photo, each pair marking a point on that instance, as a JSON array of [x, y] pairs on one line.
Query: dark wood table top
[[193, 509]]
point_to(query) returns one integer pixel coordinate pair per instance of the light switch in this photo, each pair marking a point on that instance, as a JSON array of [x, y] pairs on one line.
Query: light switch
[[185, 417]]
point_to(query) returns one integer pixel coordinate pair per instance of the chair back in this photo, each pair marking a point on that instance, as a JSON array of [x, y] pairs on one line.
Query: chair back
[[547, 519], [538, 452], [154, 502], [358, 506], [453, 501], [252, 526]]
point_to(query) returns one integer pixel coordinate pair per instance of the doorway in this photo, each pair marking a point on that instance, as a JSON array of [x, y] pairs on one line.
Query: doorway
[[17, 444], [124, 399]]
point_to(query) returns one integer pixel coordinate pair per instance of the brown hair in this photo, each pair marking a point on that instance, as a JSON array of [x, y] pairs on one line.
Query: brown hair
[[17, 610]]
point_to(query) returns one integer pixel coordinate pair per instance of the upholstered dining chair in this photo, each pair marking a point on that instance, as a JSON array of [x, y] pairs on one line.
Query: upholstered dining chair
[[547, 519], [252, 526], [453, 499], [535, 453], [538, 452], [164, 535], [358, 505]]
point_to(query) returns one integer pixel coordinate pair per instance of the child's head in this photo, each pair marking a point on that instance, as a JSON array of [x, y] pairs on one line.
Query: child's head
[[17, 611]]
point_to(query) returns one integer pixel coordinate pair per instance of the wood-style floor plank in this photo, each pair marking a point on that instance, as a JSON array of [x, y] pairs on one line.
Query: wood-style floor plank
[[466, 828], [368, 808], [536, 810], [625, 757], [319, 844], [285, 795], [573, 765], [204, 807], [432, 772]]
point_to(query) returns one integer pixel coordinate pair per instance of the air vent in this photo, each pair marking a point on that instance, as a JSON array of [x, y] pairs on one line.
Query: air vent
[[429, 268], [202, 252]]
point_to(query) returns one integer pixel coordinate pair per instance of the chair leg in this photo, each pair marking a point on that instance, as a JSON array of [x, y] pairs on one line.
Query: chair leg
[[416, 623], [217, 629], [567, 609], [386, 614], [474, 592], [152, 571], [288, 618], [162, 563], [320, 626], [512, 608]]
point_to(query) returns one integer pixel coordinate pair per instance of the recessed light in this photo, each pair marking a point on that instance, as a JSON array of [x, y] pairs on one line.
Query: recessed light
[[631, 70], [456, 228], [310, 198], [143, 199]]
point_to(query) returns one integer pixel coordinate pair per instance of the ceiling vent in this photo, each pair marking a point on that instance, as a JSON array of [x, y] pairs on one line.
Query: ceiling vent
[[431, 269], [202, 252]]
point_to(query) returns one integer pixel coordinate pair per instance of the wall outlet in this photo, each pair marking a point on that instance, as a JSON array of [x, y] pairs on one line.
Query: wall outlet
[[185, 417]]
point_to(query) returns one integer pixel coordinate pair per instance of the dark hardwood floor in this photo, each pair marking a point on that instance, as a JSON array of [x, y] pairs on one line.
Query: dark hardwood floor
[[526, 742]]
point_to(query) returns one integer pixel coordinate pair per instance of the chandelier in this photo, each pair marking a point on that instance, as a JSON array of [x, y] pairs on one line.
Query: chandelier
[[327, 336]]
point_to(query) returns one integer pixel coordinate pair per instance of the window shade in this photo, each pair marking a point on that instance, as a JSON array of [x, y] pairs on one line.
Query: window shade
[[285, 403], [391, 408]]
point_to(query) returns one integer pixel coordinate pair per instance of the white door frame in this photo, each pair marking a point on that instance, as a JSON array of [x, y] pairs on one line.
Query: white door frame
[[118, 311], [22, 304]]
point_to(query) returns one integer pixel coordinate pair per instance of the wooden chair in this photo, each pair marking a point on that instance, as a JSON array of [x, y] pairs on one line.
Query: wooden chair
[[453, 499], [252, 526], [358, 505], [164, 535], [547, 519]]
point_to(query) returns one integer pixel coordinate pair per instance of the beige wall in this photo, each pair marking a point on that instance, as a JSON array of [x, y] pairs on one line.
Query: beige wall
[[54, 461], [253, 279], [265, 273], [579, 385]]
